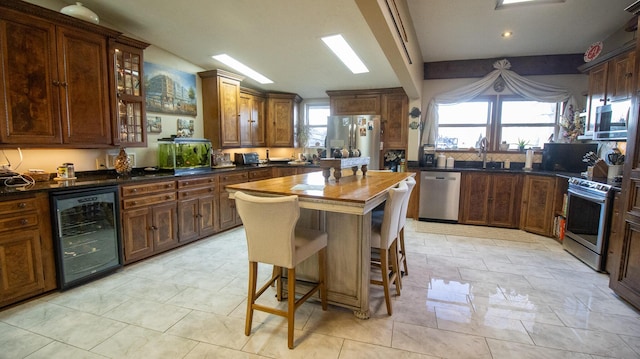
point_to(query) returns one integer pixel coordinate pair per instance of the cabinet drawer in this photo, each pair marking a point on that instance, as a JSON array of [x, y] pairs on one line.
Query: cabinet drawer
[[196, 192], [211, 181], [234, 177], [18, 222], [147, 188], [19, 205], [255, 175], [148, 200]]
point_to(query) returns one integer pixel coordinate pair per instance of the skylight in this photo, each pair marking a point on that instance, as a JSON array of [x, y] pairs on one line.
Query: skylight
[[242, 68], [502, 4], [345, 53]]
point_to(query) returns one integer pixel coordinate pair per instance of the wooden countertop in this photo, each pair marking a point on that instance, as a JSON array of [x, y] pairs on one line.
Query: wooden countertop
[[353, 194]]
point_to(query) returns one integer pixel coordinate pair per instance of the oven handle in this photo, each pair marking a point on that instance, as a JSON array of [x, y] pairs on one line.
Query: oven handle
[[587, 197]]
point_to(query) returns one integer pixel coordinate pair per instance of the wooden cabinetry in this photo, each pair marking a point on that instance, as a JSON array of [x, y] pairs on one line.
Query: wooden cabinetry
[[391, 104], [149, 219], [54, 83], [197, 207], [490, 199], [229, 217], [26, 253], [282, 119], [128, 104], [395, 128], [260, 174], [538, 204], [610, 81], [221, 108], [252, 119], [615, 239]]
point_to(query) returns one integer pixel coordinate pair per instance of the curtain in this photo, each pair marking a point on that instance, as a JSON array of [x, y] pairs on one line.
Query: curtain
[[522, 86]]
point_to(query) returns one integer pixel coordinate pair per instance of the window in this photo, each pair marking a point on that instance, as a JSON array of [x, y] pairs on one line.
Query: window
[[316, 122], [499, 118]]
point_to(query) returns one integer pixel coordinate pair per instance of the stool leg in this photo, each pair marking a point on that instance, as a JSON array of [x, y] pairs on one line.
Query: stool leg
[[321, 277], [403, 252], [253, 273], [395, 267], [291, 308], [278, 271], [384, 268]]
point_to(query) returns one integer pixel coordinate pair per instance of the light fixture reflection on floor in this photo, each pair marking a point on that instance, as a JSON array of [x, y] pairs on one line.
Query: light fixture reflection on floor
[[242, 68]]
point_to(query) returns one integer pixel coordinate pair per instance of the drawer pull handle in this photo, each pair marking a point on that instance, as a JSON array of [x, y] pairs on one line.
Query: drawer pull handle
[[134, 190], [22, 205], [133, 203], [24, 221], [169, 197]]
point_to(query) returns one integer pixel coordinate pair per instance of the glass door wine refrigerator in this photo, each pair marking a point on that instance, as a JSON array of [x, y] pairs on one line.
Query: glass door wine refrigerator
[[87, 232]]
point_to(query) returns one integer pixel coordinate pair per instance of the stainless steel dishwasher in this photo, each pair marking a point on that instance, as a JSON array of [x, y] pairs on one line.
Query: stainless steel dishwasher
[[439, 196]]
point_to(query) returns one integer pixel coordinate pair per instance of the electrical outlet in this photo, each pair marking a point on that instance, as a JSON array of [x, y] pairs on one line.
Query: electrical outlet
[[100, 165]]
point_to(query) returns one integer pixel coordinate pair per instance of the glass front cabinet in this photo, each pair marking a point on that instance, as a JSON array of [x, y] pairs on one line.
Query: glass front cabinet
[[129, 126]]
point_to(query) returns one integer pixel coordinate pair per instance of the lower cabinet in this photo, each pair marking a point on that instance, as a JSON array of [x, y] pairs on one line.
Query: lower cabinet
[[538, 202], [490, 199], [197, 208], [149, 219], [27, 264], [229, 217]]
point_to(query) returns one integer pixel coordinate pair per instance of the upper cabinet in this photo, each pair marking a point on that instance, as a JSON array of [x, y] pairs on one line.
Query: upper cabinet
[[252, 118], [221, 108], [391, 104], [128, 104], [282, 119], [54, 82], [609, 81]]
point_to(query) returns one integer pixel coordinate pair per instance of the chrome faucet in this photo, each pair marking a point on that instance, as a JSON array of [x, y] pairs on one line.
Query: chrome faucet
[[482, 151]]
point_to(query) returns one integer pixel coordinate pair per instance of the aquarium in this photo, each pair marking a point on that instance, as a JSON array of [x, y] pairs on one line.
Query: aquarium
[[184, 155]]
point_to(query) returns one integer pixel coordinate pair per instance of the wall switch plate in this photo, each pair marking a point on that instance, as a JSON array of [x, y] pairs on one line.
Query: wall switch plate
[[100, 164]]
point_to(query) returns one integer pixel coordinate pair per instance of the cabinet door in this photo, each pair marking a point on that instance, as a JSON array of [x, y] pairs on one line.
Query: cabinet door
[[395, 121], [82, 65], [621, 77], [245, 107], [229, 97], [537, 205], [285, 171], [355, 104], [207, 215], [282, 119], [597, 92], [136, 234], [21, 273], [30, 100], [258, 122], [165, 226], [504, 202], [129, 127], [188, 219], [475, 198], [228, 214]]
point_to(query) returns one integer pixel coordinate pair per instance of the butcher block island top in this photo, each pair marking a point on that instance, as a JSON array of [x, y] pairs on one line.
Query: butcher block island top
[[353, 194]]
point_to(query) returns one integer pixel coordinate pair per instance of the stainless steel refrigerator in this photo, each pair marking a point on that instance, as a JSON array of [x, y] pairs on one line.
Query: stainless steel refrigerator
[[361, 132]]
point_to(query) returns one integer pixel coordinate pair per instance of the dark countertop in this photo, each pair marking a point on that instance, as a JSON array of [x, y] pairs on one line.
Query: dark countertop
[[102, 178]]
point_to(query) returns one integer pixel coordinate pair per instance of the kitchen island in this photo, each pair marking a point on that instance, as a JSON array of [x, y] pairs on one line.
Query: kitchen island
[[343, 210]]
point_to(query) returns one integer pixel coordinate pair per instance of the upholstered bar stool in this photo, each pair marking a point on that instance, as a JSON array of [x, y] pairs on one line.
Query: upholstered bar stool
[[272, 238], [376, 217], [384, 243]]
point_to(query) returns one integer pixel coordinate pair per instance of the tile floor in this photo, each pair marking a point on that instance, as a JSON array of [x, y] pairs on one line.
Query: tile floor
[[473, 293]]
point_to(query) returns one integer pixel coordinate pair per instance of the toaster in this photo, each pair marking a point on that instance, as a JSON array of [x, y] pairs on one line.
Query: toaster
[[249, 158]]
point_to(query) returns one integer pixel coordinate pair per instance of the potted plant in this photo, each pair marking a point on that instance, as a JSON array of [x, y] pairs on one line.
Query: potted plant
[[522, 143]]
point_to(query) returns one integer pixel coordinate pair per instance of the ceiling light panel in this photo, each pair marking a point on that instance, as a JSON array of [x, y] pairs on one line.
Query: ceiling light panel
[[242, 68], [503, 4], [345, 53]]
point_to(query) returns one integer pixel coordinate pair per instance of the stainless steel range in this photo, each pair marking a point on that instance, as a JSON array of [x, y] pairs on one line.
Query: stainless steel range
[[588, 221]]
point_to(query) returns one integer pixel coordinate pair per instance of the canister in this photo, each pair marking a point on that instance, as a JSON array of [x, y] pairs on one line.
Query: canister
[[441, 161], [450, 162], [62, 172], [71, 171]]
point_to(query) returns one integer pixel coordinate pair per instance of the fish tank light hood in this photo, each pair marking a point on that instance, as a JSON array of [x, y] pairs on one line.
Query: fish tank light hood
[[184, 155]]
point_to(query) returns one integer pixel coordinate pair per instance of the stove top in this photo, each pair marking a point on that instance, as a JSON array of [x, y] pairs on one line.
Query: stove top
[[592, 185]]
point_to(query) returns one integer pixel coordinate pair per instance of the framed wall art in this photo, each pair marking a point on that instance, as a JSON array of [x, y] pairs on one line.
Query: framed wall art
[[169, 91]]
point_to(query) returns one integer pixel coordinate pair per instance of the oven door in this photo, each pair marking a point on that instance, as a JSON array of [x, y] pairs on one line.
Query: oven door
[[587, 219]]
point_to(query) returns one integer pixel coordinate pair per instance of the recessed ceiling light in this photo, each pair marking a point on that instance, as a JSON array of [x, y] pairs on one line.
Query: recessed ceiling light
[[242, 68], [507, 34], [345, 53], [502, 4]]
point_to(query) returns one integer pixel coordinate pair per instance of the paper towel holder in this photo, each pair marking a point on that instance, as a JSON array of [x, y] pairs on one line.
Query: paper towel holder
[[528, 162]]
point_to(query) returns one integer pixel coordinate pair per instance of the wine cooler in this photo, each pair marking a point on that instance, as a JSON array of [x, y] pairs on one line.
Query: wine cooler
[[87, 232]]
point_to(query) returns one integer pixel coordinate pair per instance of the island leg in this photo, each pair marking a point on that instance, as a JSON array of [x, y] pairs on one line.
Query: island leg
[[363, 168], [354, 169], [326, 173], [337, 174]]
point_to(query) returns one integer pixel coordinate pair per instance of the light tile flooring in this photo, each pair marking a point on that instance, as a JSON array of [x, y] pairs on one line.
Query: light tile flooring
[[472, 293]]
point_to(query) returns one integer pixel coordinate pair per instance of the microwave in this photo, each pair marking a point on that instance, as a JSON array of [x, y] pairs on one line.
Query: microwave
[[611, 121]]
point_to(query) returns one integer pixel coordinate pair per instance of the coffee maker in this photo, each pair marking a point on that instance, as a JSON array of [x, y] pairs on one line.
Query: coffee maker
[[428, 156]]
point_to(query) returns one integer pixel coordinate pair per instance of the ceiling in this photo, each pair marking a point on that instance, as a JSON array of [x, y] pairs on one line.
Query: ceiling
[[281, 38]]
